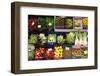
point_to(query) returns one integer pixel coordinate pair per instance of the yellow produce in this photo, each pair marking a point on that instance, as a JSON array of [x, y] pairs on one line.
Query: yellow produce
[[76, 52], [58, 53], [85, 22]]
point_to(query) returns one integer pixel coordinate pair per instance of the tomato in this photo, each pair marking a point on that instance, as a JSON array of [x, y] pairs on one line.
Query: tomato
[[39, 53]]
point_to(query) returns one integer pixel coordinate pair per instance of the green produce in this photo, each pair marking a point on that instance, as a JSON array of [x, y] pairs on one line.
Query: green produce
[[42, 38], [81, 39], [31, 49], [85, 39], [68, 23], [70, 38], [41, 20], [60, 39], [51, 38], [32, 38], [49, 21], [84, 53]]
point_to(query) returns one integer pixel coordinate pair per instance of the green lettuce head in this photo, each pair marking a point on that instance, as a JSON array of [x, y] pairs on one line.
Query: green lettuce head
[[51, 38]]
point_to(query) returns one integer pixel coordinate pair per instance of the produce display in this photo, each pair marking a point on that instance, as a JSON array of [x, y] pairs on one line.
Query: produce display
[[79, 53], [32, 38], [59, 22], [60, 39], [31, 22], [31, 49], [84, 53], [57, 37], [85, 23], [67, 53], [51, 38], [58, 52], [42, 38], [76, 53], [77, 23], [39, 53], [69, 22], [50, 22], [41, 21], [70, 37], [49, 53], [81, 39]]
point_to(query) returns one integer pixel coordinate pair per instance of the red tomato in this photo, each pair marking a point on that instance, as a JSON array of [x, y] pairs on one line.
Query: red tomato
[[39, 53]]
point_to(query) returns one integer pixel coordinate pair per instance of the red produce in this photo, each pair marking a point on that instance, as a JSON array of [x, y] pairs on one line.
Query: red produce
[[49, 54], [39, 53], [31, 22]]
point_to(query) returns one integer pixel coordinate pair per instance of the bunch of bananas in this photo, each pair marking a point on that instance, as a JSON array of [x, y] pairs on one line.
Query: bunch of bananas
[[58, 53]]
